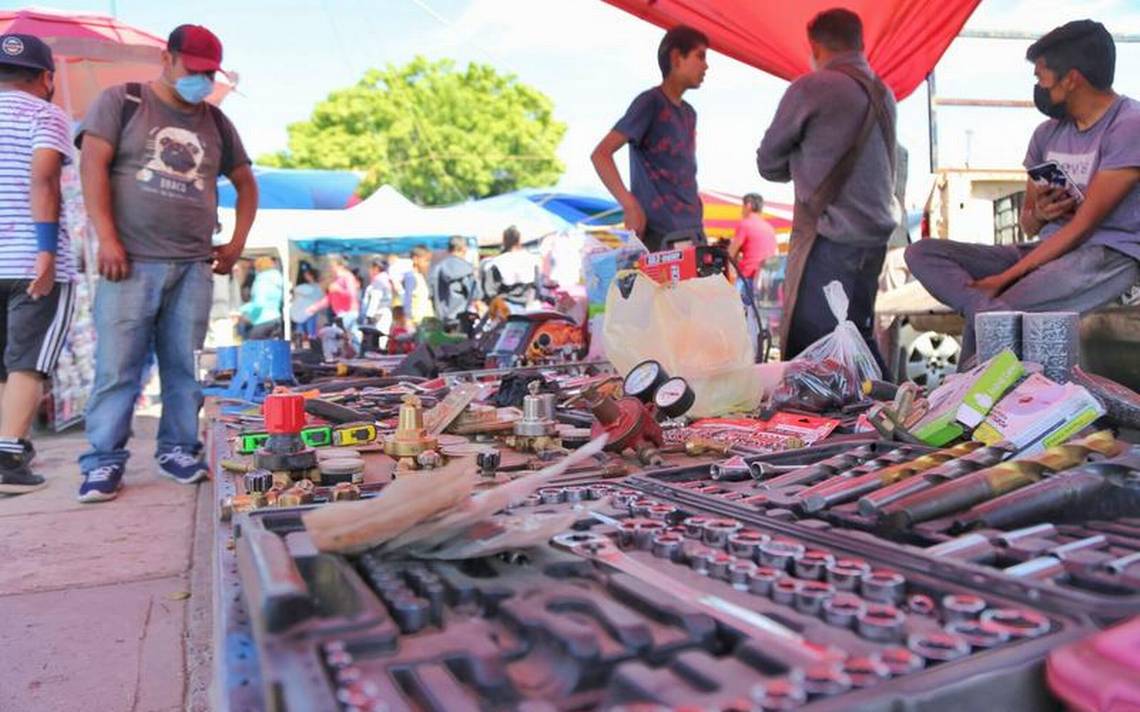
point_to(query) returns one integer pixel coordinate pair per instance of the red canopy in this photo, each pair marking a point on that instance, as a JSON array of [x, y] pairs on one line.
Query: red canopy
[[93, 52], [904, 38]]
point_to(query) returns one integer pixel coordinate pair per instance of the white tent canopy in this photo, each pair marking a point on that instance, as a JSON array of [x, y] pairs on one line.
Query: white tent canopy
[[388, 214]]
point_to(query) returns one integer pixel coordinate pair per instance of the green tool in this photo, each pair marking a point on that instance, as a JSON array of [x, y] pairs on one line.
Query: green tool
[[317, 436]]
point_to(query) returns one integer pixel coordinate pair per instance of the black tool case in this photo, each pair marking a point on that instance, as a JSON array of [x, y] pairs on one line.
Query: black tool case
[[1085, 590], [551, 630]]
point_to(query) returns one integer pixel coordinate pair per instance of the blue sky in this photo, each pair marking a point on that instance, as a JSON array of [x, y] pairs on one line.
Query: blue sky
[[592, 60]]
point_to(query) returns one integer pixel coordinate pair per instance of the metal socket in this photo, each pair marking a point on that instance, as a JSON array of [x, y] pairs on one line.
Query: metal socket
[[956, 607], [979, 634], [920, 604], [842, 609], [763, 579], [826, 680], [883, 586], [575, 494], [901, 661], [785, 693], [552, 495], [740, 573], [845, 574], [719, 562], [717, 531], [667, 545], [779, 553], [784, 591], [743, 544], [812, 565], [811, 595], [939, 647], [866, 670], [881, 623], [699, 559], [695, 526], [1018, 622]]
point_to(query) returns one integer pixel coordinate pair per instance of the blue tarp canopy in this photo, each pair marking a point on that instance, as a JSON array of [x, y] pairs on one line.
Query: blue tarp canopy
[[294, 189], [332, 245], [578, 207]]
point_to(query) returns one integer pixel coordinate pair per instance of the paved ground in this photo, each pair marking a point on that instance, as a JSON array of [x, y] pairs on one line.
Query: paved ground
[[104, 606]]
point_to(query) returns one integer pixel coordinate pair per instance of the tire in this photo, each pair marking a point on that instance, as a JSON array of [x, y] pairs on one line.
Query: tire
[[927, 357]]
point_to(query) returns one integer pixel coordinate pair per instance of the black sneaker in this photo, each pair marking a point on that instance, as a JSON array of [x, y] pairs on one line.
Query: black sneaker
[[29, 451], [15, 475]]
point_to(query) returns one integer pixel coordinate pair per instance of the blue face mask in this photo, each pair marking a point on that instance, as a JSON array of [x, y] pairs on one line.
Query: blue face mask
[[194, 88]]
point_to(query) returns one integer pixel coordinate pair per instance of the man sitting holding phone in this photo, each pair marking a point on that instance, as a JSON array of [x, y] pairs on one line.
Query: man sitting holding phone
[[1082, 198]]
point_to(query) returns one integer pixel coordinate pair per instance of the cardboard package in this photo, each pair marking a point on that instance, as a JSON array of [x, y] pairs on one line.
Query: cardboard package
[[961, 404], [1039, 414]]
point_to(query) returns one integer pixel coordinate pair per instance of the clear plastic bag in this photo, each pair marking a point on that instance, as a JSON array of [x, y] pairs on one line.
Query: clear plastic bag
[[694, 329], [829, 374]]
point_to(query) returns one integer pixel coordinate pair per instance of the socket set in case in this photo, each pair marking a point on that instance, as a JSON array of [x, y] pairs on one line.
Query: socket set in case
[[1060, 524], [645, 600]]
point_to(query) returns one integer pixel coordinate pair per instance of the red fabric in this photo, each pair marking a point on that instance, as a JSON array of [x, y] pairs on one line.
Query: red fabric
[[904, 38], [758, 243], [93, 52], [344, 294], [52, 23]]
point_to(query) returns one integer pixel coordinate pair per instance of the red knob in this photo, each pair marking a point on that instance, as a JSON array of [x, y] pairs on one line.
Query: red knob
[[284, 413]]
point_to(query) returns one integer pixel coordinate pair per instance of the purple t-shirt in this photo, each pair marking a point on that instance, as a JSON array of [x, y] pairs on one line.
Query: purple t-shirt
[[1112, 142], [663, 161]]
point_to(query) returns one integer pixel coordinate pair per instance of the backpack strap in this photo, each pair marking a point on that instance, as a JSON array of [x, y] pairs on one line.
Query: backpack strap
[[226, 166], [131, 102]]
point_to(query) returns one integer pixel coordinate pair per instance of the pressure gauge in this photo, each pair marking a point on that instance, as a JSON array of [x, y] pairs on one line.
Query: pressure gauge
[[644, 379], [674, 397]]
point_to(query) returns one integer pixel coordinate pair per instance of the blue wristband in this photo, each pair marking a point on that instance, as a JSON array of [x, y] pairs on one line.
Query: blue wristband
[[47, 237]]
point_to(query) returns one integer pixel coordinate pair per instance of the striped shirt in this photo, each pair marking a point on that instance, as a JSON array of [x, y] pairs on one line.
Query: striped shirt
[[27, 124]]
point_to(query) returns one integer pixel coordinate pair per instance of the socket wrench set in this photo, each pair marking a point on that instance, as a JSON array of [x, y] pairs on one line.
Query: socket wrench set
[[1060, 523], [645, 602]]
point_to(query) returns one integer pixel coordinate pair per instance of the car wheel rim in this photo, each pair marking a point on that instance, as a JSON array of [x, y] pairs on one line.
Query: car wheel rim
[[931, 357]]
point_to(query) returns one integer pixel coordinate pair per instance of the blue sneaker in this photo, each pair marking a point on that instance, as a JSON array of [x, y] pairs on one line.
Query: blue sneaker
[[101, 484], [181, 466]]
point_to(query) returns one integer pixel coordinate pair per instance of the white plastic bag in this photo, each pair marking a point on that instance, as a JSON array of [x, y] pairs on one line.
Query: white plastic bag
[[694, 329], [829, 374]]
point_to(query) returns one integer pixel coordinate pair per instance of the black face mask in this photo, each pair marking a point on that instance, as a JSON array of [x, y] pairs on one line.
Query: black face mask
[[1045, 105]]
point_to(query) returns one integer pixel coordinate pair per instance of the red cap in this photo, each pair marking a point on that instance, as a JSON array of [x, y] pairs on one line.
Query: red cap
[[201, 49]]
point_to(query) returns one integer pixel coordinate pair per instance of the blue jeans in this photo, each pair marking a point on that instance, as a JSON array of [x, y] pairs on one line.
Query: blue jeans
[[167, 303]]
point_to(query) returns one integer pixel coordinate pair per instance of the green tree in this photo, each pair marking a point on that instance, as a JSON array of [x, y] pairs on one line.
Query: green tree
[[437, 134]]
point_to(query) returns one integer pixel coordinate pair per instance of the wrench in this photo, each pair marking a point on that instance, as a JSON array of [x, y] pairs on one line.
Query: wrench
[[786, 644]]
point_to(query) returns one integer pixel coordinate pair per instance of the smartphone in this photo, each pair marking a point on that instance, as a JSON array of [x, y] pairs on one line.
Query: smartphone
[[1050, 174]]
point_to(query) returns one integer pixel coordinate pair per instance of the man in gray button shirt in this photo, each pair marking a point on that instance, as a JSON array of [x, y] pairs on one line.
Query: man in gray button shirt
[[843, 235]]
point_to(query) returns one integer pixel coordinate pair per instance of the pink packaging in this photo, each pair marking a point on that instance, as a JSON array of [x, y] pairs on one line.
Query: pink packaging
[[1100, 673]]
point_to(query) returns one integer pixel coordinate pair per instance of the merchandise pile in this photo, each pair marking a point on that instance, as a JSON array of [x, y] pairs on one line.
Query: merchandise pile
[[564, 534]]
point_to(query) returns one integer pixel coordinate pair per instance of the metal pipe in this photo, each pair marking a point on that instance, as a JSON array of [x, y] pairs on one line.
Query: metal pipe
[[1023, 35]]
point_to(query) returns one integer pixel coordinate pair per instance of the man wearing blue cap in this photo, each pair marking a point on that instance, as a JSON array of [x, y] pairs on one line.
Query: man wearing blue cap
[[36, 264]]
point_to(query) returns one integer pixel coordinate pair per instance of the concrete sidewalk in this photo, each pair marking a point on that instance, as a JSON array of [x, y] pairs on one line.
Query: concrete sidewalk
[[105, 606]]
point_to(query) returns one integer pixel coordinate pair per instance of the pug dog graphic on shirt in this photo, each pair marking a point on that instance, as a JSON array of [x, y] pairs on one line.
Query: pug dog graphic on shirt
[[174, 157]]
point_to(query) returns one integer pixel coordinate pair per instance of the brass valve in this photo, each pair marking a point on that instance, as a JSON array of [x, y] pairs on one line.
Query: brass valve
[[410, 438]]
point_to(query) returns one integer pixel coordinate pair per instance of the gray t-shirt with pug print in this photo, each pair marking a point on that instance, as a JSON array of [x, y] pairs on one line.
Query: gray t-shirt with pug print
[[165, 173]]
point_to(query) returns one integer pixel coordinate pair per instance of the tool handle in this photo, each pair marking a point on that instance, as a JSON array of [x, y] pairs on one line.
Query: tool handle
[[279, 593]]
